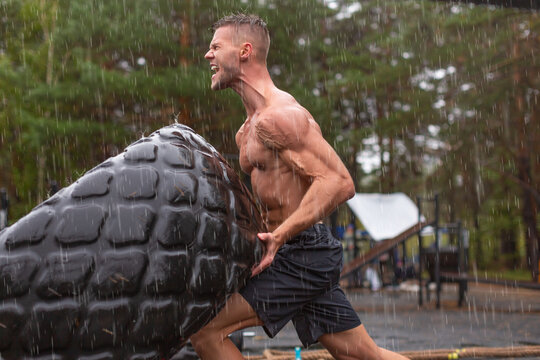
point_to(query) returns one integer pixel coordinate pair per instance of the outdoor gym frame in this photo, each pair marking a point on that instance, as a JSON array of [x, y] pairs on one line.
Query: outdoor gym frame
[[520, 4], [456, 272]]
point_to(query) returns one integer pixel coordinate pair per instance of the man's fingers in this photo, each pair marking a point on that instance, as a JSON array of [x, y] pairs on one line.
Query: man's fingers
[[268, 253], [256, 270], [265, 262], [264, 237]]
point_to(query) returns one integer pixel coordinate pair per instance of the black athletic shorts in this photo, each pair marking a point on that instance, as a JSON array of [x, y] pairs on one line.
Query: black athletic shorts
[[302, 285]]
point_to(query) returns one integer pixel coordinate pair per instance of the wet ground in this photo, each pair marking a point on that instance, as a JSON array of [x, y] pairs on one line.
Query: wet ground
[[493, 316]]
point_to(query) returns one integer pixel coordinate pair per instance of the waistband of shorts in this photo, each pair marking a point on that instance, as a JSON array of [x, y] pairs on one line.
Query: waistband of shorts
[[309, 233]]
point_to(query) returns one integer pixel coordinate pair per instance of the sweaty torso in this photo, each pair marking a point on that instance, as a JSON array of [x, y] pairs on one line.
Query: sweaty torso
[[277, 187]]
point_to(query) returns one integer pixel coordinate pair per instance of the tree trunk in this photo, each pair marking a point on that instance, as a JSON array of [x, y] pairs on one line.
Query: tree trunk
[[185, 43], [391, 170], [508, 236], [353, 165], [528, 206], [41, 175], [475, 184], [48, 26], [382, 174]]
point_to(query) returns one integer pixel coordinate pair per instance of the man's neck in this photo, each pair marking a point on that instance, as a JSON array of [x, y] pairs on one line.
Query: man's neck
[[255, 88]]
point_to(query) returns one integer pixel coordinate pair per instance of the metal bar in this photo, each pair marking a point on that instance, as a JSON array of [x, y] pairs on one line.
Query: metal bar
[[484, 280], [521, 4], [420, 295], [403, 254], [379, 249], [437, 253], [356, 278], [461, 250]]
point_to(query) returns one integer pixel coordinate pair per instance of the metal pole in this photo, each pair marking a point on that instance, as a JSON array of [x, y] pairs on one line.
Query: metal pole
[[356, 280], [437, 259], [4, 208], [355, 247], [403, 254], [461, 258], [420, 295]]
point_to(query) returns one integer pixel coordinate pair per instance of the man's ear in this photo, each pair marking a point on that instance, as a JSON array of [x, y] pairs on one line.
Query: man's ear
[[245, 51]]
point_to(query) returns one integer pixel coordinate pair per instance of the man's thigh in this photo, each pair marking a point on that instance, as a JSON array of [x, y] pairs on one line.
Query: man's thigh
[[236, 314], [351, 344]]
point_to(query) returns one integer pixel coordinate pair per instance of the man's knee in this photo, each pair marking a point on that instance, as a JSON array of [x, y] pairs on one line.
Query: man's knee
[[200, 338], [205, 338]]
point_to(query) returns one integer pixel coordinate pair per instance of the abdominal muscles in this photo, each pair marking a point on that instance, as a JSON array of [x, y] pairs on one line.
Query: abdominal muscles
[[279, 192]]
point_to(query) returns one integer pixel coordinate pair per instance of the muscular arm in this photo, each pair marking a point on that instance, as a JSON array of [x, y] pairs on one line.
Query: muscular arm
[[301, 147]]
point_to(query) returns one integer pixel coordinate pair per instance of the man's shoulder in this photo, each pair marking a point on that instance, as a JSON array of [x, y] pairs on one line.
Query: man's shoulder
[[283, 126], [284, 110], [282, 104], [283, 117]]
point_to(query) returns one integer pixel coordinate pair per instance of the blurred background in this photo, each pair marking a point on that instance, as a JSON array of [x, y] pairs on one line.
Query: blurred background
[[419, 97]]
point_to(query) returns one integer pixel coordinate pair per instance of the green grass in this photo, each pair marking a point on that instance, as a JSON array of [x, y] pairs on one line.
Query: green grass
[[517, 274]]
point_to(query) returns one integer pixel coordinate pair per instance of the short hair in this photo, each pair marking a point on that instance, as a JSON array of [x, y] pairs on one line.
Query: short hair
[[256, 25]]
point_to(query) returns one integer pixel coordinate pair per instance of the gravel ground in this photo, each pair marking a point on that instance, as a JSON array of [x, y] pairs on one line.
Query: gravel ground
[[492, 316]]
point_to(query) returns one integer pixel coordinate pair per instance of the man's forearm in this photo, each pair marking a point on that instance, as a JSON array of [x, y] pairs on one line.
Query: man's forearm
[[322, 197]]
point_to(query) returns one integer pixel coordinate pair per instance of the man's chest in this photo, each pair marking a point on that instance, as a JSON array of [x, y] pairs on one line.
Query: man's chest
[[253, 154]]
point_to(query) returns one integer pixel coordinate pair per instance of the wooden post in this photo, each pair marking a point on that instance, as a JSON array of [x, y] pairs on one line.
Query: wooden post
[[437, 252]]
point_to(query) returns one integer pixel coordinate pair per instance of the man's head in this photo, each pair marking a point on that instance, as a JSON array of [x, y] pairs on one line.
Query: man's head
[[248, 28], [238, 39]]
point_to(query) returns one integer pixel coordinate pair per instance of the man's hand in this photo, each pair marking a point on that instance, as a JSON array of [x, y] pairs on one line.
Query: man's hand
[[271, 246]]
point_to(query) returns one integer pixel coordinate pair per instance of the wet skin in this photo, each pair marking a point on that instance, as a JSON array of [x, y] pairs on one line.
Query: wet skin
[[279, 185], [296, 176]]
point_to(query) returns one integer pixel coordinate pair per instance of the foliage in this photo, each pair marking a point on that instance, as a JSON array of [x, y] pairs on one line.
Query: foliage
[[443, 96]]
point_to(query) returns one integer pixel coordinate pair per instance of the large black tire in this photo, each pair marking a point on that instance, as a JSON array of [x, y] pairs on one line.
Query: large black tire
[[187, 353], [130, 260]]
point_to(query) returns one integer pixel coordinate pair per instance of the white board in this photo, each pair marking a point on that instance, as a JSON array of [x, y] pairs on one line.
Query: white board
[[384, 215]]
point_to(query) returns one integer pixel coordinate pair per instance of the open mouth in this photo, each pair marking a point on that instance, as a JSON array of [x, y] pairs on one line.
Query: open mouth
[[214, 69]]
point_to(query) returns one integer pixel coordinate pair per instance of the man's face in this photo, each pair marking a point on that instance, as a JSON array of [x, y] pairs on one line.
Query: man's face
[[224, 58]]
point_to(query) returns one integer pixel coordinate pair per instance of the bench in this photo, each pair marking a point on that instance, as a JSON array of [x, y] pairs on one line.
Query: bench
[[449, 269]]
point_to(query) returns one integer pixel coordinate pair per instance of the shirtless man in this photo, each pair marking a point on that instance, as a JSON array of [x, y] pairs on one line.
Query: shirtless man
[[298, 179]]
